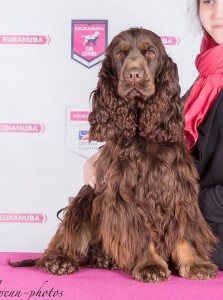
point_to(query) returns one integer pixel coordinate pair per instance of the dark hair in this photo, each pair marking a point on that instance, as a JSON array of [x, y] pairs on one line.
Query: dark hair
[[197, 13], [197, 8]]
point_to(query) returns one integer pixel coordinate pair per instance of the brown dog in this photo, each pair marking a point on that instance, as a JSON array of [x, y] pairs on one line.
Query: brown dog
[[144, 209]]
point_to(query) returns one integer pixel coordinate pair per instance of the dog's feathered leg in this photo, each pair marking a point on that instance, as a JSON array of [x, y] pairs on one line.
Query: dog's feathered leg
[[70, 245], [151, 267], [190, 265]]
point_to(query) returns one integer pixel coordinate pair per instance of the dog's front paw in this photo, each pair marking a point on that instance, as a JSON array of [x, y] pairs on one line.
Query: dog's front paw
[[58, 266], [151, 273], [205, 270]]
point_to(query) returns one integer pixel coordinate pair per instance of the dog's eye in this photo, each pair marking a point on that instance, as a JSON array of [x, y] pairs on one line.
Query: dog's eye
[[150, 53], [120, 54]]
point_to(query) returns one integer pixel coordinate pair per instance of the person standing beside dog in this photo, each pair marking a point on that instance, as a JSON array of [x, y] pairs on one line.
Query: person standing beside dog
[[203, 112], [203, 118]]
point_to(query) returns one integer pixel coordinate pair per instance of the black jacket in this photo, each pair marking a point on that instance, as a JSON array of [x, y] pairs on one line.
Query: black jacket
[[208, 155]]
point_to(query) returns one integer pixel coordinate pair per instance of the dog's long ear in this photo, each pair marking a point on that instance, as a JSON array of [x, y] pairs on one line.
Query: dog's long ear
[[173, 120], [164, 116], [110, 116], [101, 127]]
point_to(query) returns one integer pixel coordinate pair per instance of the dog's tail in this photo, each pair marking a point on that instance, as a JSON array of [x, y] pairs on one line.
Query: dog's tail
[[23, 263]]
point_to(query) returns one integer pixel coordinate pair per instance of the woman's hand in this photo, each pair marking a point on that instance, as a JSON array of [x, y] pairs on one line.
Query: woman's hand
[[89, 170]]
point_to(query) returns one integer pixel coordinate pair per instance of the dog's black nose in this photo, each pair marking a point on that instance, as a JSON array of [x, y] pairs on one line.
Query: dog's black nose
[[133, 74]]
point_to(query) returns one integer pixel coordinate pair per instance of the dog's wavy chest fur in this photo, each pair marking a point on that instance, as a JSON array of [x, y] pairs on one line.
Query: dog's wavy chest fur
[[138, 196]]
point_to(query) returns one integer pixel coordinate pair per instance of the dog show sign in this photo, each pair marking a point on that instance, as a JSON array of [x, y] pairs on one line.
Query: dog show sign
[[77, 127], [89, 41]]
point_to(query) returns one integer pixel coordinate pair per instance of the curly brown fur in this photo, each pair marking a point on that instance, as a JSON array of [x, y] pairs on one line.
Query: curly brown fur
[[144, 209]]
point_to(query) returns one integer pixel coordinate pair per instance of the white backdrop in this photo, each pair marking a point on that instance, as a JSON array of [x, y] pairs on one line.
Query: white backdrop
[[43, 148]]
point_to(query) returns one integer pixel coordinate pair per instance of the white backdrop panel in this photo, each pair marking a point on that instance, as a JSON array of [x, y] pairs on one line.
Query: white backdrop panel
[[40, 85]]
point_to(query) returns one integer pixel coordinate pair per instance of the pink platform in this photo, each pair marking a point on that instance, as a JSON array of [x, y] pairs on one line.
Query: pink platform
[[91, 284]]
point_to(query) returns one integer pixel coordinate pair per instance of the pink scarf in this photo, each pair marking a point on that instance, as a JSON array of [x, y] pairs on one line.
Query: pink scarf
[[204, 92]]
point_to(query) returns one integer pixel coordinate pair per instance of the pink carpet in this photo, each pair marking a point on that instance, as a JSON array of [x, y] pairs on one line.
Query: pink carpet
[[91, 284]]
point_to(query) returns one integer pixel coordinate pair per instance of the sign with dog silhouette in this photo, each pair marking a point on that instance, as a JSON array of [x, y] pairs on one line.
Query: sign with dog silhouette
[[88, 41]]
